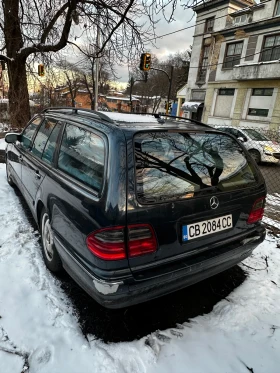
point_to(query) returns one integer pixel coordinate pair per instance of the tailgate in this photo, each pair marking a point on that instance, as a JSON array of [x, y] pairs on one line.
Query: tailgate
[[193, 188]]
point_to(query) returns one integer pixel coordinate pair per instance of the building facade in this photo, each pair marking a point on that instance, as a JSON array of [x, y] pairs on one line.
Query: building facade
[[235, 64]]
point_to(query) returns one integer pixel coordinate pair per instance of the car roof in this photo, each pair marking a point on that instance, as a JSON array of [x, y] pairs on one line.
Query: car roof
[[127, 122]]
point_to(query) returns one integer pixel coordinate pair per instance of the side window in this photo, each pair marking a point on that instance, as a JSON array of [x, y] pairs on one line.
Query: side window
[[82, 155], [42, 136], [27, 134], [51, 145]]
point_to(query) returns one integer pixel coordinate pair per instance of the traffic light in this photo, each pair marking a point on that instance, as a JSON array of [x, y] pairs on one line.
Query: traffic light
[[145, 61], [41, 70]]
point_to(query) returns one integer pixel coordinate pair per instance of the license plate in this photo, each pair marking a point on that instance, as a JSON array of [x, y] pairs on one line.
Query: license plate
[[203, 228]]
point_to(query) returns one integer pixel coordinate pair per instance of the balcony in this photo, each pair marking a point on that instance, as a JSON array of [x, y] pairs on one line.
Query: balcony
[[257, 70]]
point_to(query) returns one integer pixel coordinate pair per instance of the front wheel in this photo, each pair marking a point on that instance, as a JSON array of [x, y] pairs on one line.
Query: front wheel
[[255, 155], [50, 254]]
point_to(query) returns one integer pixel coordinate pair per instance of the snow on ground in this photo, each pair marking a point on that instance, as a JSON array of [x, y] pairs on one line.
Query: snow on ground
[[2, 144], [39, 332], [273, 210]]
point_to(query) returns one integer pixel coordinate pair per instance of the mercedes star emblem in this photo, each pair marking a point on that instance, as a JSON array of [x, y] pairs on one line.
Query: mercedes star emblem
[[214, 202]]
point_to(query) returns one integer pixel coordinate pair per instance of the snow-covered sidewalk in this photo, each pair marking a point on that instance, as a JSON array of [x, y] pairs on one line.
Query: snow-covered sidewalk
[[3, 144], [39, 332]]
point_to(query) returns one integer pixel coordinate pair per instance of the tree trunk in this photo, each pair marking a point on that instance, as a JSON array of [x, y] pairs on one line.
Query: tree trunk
[[19, 109], [18, 90]]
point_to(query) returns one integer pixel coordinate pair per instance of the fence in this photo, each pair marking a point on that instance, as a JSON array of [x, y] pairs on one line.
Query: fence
[[264, 146]]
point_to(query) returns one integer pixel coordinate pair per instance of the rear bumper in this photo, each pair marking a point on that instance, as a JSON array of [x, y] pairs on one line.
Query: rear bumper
[[128, 291]]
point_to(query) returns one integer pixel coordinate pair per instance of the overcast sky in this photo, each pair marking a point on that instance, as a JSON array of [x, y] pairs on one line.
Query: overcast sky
[[168, 44]]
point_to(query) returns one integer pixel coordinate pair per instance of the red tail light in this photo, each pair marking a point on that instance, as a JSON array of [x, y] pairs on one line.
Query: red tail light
[[109, 243], [257, 211], [141, 240]]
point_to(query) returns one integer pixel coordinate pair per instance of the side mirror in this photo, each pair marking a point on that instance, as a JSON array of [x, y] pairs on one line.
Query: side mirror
[[241, 139], [12, 138]]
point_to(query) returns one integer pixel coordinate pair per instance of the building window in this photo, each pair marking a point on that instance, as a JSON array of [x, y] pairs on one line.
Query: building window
[[262, 92], [203, 65], [209, 25], [233, 55], [271, 48], [198, 95], [277, 8], [224, 102], [258, 112], [241, 19], [226, 91]]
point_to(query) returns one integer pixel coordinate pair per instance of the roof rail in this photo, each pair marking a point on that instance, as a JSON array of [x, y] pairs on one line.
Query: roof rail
[[75, 110], [161, 116]]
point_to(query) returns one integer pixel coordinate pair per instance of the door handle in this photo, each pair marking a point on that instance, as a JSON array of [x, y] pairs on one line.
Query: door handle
[[37, 175]]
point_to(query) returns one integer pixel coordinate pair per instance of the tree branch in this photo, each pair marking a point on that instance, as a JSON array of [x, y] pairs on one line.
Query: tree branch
[[63, 39], [116, 27], [52, 22]]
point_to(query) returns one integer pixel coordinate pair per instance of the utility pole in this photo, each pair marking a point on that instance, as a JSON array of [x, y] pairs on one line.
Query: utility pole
[[97, 62], [131, 83], [170, 78], [169, 89]]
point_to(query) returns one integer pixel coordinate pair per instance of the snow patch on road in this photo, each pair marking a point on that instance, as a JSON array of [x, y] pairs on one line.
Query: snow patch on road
[[38, 323]]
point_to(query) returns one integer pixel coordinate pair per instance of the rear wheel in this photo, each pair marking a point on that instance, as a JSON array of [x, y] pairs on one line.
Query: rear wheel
[[256, 155], [50, 254], [8, 174]]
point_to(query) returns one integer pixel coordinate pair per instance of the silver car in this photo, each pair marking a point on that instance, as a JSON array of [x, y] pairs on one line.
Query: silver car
[[261, 148]]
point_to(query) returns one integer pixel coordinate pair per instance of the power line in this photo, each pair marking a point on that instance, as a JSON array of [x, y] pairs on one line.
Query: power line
[[197, 23]]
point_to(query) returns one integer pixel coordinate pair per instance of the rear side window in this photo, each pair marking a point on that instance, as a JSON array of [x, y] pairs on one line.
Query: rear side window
[[82, 155], [49, 150], [172, 165], [28, 133], [42, 136]]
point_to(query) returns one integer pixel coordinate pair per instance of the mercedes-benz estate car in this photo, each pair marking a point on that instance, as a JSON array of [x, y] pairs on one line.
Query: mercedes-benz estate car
[[133, 206]]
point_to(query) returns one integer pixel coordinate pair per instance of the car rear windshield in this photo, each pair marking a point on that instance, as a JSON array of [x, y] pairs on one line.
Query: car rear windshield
[[172, 165]]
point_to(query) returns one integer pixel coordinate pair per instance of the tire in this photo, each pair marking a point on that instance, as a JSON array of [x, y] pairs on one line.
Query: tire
[[50, 254], [255, 154], [8, 174]]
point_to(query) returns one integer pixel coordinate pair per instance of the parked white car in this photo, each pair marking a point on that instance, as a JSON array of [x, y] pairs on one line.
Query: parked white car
[[261, 148]]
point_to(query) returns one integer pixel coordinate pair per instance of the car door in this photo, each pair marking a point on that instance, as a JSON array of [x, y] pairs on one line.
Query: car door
[[77, 185], [16, 154], [32, 170]]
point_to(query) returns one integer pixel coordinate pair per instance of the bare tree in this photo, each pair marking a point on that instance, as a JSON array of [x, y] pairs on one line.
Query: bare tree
[[73, 78], [32, 28], [106, 70]]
